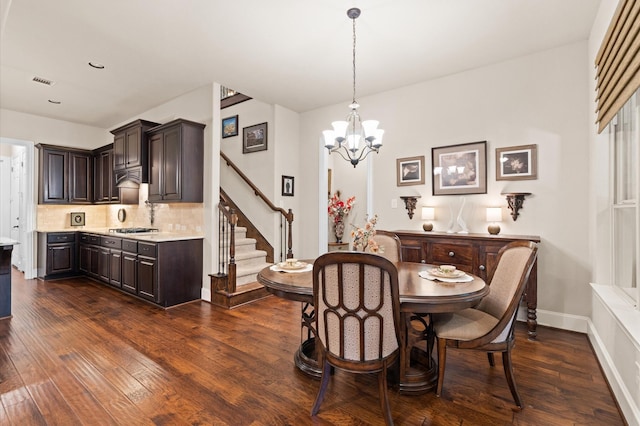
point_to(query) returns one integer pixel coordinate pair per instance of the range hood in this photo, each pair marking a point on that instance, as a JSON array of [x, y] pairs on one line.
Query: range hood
[[129, 178]]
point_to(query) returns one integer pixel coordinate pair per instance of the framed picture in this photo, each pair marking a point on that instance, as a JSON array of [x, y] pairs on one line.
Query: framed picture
[[254, 138], [230, 126], [77, 219], [517, 163], [287, 186], [460, 169], [410, 171]]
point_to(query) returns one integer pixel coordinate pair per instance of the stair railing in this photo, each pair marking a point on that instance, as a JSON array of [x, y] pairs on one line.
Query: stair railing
[[226, 276], [285, 215]]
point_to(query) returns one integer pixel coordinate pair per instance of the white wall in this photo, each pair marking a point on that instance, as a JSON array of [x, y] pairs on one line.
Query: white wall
[[18, 125], [614, 330], [537, 99]]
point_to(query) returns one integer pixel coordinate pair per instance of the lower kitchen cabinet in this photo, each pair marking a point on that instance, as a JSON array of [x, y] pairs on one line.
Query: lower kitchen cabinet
[[166, 273], [56, 255]]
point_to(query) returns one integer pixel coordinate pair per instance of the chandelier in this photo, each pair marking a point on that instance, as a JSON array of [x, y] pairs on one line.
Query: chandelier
[[353, 138]]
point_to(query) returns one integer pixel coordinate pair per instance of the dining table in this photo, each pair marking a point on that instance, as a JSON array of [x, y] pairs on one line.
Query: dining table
[[421, 295]]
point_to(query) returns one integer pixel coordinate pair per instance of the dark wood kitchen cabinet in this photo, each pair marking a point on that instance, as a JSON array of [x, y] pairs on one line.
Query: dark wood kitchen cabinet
[[130, 150], [89, 254], [176, 162], [56, 254], [105, 189], [66, 175]]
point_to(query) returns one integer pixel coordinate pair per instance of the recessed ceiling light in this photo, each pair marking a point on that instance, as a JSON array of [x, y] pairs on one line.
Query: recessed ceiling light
[[96, 65], [53, 101]]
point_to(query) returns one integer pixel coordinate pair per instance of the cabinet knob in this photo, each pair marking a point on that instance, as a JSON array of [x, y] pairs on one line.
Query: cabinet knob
[[451, 254], [482, 268]]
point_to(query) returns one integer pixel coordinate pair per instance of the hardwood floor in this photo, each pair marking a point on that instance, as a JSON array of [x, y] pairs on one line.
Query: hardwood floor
[[76, 352]]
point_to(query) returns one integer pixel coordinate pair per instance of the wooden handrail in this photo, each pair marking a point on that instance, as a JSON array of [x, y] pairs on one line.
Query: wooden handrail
[[255, 189]]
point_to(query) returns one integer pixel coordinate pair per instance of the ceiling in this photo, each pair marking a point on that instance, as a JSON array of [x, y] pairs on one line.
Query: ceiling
[[295, 53]]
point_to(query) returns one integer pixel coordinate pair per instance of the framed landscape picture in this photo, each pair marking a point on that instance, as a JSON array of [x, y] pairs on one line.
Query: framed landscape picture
[[410, 171], [517, 163], [230, 126], [460, 169], [254, 138]]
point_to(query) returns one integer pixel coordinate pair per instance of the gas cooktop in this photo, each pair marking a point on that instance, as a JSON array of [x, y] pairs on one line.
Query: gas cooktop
[[132, 230]]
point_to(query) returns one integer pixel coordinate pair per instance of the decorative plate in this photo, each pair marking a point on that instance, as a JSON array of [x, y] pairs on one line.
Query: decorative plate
[[440, 274], [293, 267]]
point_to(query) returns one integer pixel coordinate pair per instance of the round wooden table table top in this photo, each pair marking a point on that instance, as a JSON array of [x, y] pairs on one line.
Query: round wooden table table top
[[417, 294]]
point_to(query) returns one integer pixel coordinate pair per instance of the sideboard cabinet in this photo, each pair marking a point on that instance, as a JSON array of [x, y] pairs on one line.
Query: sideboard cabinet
[[473, 253]]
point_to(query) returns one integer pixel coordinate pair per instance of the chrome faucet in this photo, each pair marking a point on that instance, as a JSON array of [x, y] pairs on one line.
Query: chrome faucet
[[152, 210]]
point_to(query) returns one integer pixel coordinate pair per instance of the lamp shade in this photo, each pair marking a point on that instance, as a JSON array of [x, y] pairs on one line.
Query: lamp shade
[[428, 213], [494, 214]]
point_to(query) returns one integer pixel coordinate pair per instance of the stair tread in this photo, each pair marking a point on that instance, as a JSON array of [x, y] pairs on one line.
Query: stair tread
[[248, 270], [250, 254]]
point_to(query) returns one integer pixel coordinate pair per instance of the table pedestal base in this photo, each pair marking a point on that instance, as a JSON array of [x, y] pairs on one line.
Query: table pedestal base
[[421, 377], [306, 359]]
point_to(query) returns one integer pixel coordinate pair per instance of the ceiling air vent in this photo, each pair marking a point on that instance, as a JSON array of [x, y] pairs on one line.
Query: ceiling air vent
[[43, 81]]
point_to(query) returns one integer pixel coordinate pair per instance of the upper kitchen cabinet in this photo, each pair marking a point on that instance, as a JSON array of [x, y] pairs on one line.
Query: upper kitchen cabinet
[[130, 151], [176, 162], [66, 175], [105, 189]]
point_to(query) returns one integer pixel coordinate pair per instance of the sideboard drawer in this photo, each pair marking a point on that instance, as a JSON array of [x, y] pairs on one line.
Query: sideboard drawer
[[451, 253]]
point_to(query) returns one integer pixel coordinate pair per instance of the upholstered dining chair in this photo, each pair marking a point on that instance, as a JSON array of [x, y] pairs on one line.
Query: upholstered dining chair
[[390, 244], [489, 326], [357, 306]]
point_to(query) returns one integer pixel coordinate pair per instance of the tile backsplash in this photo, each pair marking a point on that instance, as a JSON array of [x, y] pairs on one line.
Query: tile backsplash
[[168, 217]]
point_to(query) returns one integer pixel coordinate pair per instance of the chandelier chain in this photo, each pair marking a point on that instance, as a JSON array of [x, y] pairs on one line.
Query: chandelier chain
[[354, 59]]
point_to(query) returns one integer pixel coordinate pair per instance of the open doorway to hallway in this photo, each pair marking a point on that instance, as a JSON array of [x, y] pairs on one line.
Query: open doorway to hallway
[[17, 201]]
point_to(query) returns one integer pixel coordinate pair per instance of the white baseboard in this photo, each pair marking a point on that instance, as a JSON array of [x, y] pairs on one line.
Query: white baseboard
[[205, 294], [557, 320]]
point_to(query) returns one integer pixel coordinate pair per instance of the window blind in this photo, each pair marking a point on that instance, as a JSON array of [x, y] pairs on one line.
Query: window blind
[[618, 62]]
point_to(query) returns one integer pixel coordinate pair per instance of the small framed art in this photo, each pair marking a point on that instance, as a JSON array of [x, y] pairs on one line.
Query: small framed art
[[517, 163], [230, 126], [254, 138], [77, 219], [460, 169], [410, 171], [287, 186]]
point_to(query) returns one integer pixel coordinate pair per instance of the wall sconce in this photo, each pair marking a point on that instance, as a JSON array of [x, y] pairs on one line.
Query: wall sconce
[[428, 214], [410, 203], [494, 215], [515, 201]]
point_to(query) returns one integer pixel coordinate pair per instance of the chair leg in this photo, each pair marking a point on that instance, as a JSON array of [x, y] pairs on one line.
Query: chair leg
[[508, 372], [384, 398], [492, 361], [324, 380], [442, 356]]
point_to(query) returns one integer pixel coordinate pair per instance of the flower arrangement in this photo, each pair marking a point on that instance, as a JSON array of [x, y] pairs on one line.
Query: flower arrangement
[[338, 209], [363, 237]]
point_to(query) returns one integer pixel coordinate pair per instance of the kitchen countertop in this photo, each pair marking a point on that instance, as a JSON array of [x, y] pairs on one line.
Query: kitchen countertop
[[5, 242], [156, 237]]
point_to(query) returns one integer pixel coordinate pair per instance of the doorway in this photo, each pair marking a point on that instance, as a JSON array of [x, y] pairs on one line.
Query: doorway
[[17, 201]]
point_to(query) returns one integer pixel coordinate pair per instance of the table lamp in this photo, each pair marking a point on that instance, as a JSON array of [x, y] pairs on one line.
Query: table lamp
[[428, 213], [494, 215]]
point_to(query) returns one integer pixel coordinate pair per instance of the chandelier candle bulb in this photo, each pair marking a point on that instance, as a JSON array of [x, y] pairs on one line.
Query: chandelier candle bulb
[[494, 215]]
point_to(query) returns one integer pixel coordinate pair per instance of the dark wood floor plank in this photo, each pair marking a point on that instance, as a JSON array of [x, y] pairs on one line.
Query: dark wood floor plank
[[79, 352]]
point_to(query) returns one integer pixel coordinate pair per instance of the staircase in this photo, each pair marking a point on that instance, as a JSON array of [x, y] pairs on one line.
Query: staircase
[[249, 261]]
